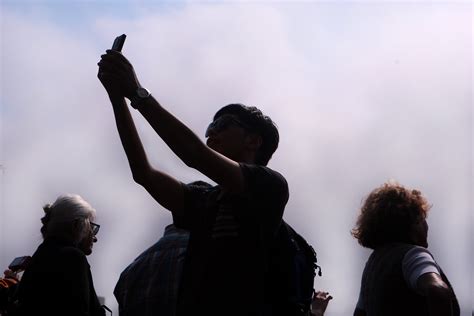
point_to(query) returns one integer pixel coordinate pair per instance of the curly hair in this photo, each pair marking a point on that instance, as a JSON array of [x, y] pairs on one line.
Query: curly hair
[[260, 123], [391, 213]]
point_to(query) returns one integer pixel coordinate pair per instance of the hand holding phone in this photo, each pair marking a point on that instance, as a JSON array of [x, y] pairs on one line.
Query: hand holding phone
[[19, 263], [118, 43]]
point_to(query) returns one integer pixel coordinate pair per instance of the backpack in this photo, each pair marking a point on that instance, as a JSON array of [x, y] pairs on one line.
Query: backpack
[[291, 270]]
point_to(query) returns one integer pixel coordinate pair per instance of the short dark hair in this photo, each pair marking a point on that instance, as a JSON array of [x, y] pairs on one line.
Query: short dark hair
[[391, 213], [258, 123]]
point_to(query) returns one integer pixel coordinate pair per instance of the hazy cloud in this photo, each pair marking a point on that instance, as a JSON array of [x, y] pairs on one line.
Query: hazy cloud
[[361, 93]]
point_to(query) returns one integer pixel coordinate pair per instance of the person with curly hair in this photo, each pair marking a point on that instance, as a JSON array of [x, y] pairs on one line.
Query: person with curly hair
[[401, 276]]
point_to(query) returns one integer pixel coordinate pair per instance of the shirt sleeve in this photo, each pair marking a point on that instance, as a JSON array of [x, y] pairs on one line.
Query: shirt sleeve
[[417, 261], [265, 183], [267, 192]]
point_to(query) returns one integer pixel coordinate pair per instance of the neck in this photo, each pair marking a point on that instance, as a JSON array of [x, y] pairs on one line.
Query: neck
[[247, 157]]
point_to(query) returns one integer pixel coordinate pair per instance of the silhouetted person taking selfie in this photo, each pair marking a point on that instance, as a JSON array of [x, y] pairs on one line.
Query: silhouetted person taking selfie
[[401, 276], [231, 224]]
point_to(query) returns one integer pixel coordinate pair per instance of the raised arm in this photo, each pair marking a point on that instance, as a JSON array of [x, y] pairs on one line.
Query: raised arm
[[166, 190], [181, 140]]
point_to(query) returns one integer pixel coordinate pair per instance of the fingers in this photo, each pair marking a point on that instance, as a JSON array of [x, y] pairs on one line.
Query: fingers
[[106, 70], [111, 64], [107, 80], [115, 64], [117, 73], [10, 274], [118, 56], [320, 302], [322, 296], [116, 60]]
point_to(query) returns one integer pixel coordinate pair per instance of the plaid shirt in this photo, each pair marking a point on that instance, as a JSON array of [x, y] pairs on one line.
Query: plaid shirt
[[149, 285]]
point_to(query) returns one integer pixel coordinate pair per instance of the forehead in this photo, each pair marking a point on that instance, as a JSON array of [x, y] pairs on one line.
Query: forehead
[[227, 115], [227, 123]]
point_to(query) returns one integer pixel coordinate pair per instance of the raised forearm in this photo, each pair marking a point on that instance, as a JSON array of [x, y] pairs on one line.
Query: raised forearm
[[166, 190], [117, 75], [180, 139], [131, 143]]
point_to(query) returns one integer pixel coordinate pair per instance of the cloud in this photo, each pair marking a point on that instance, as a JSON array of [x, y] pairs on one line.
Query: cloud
[[361, 94]]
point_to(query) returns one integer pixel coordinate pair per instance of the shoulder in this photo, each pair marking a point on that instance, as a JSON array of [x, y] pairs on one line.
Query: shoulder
[[59, 251], [64, 262], [262, 175], [416, 262], [395, 251], [417, 251], [261, 170], [416, 255], [73, 258], [72, 252]]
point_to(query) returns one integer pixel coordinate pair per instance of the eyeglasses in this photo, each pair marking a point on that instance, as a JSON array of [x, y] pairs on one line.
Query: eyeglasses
[[224, 121], [95, 228]]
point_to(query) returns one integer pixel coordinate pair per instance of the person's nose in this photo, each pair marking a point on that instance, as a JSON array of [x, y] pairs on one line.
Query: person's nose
[[94, 239], [211, 132]]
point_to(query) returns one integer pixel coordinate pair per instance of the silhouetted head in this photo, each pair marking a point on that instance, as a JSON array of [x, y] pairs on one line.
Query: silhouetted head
[[392, 213], [70, 219], [238, 131]]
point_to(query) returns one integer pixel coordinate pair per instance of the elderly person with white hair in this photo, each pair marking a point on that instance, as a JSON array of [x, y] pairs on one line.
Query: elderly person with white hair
[[58, 280]]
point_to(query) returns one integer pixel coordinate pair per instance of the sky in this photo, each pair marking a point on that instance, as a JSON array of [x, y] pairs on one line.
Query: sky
[[362, 93]]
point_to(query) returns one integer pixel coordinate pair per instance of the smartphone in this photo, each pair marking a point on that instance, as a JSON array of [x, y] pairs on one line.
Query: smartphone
[[118, 43], [19, 263]]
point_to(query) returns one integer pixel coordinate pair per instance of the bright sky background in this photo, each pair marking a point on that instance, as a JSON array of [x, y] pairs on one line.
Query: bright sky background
[[362, 92]]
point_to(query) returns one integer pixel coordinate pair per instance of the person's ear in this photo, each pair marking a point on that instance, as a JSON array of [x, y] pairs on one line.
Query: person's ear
[[78, 228], [254, 142], [77, 225]]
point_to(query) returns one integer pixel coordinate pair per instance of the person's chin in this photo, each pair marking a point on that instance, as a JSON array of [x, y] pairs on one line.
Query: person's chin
[[214, 145], [87, 251], [423, 244], [210, 143]]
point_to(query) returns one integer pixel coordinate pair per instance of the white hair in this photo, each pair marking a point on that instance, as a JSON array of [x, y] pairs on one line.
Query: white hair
[[63, 213]]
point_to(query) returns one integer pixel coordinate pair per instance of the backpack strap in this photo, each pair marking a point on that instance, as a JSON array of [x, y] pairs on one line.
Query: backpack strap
[[298, 240]]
